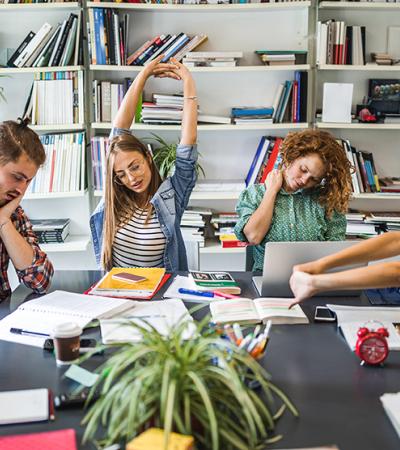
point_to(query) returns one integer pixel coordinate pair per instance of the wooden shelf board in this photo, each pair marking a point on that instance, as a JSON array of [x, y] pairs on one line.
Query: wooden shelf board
[[65, 127], [74, 243], [359, 126], [365, 68], [54, 195], [18, 70], [214, 247], [359, 5], [31, 7]]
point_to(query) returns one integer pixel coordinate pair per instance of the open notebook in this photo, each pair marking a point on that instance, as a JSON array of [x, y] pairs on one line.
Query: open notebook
[[245, 310], [163, 316], [43, 313]]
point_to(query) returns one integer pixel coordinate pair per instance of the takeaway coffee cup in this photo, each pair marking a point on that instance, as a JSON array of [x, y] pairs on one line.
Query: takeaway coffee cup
[[66, 342]]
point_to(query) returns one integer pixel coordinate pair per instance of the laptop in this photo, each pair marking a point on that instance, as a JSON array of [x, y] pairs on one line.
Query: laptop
[[280, 257]]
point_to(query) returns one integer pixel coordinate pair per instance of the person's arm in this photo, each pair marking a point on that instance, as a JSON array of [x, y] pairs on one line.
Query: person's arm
[[383, 246], [127, 110], [305, 285], [260, 221], [32, 264]]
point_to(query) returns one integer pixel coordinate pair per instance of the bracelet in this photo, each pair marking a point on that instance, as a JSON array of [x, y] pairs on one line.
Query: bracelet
[[4, 223], [193, 97]]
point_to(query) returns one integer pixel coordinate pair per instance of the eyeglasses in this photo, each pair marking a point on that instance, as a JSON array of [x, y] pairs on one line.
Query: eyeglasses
[[135, 170]]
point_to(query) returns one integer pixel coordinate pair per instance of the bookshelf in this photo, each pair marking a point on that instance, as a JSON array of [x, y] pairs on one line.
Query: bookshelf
[[219, 88], [379, 138]]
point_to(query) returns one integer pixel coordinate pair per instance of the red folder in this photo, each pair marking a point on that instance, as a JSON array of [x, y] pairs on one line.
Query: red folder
[[49, 440]]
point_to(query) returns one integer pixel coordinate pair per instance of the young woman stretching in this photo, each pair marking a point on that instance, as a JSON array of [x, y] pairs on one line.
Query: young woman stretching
[[304, 200], [138, 224]]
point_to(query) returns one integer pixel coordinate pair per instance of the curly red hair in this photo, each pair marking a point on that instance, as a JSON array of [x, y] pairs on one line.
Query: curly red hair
[[336, 190]]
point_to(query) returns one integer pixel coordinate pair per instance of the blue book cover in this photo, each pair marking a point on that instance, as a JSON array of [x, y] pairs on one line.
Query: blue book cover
[[97, 16], [255, 159], [249, 111]]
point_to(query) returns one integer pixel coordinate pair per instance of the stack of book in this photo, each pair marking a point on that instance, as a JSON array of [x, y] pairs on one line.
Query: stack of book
[[391, 118], [382, 59], [171, 45], [282, 57], [194, 223], [223, 224], [51, 46], [389, 221], [163, 109], [265, 159], [51, 230], [390, 185], [212, 59], [108, 36], [357, 227], [340, 44], [99, 147], [64, 169], [252, 114], [107, 97], [56, 98]]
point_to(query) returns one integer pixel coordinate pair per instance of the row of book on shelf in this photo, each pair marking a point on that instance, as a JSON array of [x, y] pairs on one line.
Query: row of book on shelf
[[338, 43], [51, 230], [56, 98], [51, 46], [64, 168]]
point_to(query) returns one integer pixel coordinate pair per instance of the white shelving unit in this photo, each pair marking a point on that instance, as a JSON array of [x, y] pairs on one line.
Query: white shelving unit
[[379, 138], [17, 83]]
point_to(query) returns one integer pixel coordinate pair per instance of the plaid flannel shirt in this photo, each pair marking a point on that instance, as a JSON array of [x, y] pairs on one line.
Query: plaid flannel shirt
[[38, 275]]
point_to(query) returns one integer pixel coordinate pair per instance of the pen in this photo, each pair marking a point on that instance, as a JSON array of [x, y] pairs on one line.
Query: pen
[[199, 293], [224, 295], [51, 405], [238, 333], [27, 332]]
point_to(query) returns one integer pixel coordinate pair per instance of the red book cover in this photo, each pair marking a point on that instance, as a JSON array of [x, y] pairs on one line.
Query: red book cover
[[49, 440], [233, 244], [272, 159], [294, 117]]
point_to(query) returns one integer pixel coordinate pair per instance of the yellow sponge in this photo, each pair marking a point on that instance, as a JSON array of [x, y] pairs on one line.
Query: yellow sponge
[[153, 439]]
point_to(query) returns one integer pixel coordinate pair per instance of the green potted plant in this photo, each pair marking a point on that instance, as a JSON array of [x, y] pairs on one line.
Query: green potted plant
[[164, 156], [197, 387]]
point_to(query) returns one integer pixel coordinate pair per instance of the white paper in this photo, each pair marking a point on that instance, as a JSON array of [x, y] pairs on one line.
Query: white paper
[[337, 100], [162, 315], [391, 404], [186, 283], [25, 405]]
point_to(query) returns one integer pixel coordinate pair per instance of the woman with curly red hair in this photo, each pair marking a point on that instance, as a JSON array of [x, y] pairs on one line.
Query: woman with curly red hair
[[305, 199]]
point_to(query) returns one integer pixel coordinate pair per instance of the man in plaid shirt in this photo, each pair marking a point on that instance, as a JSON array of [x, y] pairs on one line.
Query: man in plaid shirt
[[21, 155]]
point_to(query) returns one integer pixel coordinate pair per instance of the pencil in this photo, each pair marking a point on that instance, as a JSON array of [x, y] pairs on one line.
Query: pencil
[[52, 416]]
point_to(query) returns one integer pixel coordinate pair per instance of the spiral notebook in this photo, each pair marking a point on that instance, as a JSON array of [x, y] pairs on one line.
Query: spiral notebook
[[42, 314]]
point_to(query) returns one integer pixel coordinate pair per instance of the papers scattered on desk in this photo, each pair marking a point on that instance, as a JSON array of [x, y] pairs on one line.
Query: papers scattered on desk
[[391, 405], [162, 315], [186, 283], [351, 318], [42, 314]]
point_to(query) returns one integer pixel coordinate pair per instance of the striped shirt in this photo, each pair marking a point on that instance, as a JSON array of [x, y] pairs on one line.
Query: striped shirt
[[139, 244]]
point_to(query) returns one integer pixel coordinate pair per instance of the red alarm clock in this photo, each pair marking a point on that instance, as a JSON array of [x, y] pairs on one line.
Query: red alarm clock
[[371, 346]]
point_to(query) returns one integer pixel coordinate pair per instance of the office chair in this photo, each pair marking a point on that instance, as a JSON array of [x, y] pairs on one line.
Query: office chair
[[193, 254]]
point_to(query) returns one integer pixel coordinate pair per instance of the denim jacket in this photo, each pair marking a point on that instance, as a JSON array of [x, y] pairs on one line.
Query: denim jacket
[[169, 202]]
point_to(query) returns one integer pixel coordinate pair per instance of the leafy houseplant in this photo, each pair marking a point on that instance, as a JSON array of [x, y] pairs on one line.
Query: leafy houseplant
[[165, 155], [196, 387]]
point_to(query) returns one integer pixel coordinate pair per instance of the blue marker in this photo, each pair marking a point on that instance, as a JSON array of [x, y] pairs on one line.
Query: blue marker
[[199, 293]]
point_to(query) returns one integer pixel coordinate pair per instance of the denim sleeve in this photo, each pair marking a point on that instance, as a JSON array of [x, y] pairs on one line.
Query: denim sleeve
[[184, 177], [248, 202], [336, 227]]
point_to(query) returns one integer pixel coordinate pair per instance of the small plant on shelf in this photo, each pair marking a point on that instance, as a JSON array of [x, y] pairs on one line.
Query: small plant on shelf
[[165, 155], [197, 387]]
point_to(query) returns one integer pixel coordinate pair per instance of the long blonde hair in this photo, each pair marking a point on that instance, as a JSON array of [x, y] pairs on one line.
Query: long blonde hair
[[119, 201]]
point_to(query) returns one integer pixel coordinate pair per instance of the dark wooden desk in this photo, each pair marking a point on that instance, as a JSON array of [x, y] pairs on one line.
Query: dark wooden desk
[[338, 399]]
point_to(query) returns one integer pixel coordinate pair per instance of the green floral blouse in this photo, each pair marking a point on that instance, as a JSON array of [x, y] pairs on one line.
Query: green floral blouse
[[297, 217]]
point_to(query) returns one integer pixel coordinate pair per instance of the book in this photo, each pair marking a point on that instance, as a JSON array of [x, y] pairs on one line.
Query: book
[[245, 310], [153, 439], [22, 406], [209, 281], [391, 405], [20, 49], [42, 314], [161, 316], [47, 440], [117, 288]]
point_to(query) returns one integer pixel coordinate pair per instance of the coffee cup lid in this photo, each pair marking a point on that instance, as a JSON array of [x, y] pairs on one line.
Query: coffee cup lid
[[66, 330]]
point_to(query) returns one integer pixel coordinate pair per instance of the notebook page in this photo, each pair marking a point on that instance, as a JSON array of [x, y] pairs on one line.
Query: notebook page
[[278, 308], [239, 310], [161, 315], [72, 305], [26, 405]]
